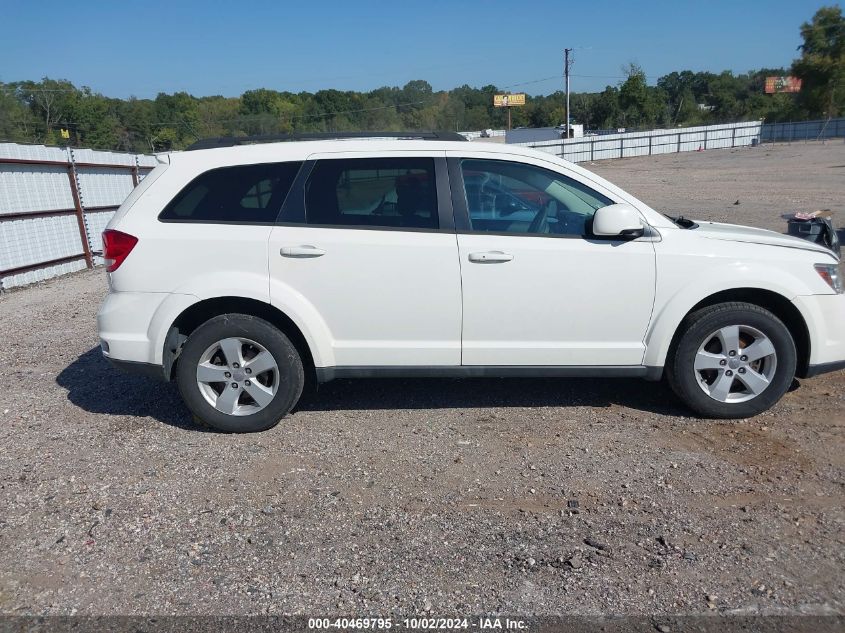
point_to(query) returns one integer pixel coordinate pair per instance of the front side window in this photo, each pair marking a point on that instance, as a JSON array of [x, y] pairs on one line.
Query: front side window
[[246, 193], [373, 192], [506, 197]]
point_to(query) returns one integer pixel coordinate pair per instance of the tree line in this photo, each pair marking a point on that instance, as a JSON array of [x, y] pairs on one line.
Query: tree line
[[56, 112]]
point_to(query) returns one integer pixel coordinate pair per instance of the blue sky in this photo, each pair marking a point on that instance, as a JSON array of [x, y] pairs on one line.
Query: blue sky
[[144, 47]]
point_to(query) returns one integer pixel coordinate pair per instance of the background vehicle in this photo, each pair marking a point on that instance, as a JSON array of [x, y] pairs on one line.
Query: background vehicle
[[243, 271]]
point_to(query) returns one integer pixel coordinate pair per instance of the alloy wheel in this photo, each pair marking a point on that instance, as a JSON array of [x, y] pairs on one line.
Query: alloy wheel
[[237, 376], [735, 364]]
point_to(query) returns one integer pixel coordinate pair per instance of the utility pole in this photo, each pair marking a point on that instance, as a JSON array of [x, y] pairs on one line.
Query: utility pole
[[566, 52]]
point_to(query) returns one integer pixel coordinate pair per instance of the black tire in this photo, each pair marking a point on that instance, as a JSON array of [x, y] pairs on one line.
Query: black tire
[[291, 374], [680, 364]]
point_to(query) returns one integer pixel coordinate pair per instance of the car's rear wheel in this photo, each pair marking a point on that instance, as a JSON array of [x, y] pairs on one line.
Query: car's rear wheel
[[239, 374], [732, 360]]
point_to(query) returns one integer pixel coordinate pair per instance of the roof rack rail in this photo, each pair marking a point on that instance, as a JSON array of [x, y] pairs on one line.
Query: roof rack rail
[[231, 141]]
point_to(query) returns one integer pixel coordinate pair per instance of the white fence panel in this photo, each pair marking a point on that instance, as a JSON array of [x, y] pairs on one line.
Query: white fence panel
[[40, 234], [33, 188], [104, 187], [25, 241], [32, 152], [630, 144], [96, 225], [102, 157], [42, 274]]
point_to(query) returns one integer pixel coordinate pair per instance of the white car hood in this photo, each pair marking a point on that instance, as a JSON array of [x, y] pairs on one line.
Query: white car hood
[[750, 235]]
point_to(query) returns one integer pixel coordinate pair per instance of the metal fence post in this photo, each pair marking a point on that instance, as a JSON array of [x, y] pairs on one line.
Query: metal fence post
[[80, 211], [733, 137], [679, 142], [621, 147], [592, 149], [649, 144]]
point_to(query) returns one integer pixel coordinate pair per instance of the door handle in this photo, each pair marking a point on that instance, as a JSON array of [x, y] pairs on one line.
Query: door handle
[[302, 251], [490, 257]]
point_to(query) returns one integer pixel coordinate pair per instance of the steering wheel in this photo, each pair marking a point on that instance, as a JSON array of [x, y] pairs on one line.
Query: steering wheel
[[540, 223]]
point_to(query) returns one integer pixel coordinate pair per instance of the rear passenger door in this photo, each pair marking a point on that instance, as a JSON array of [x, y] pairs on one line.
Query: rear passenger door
[[369, 245]]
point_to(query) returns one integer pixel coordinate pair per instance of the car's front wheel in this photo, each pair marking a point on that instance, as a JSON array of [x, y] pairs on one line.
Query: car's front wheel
[[239, 374], [732, 360]]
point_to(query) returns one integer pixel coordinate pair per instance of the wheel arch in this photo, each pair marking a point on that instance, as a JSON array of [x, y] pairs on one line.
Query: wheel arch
[[774, 302], [198, 313]]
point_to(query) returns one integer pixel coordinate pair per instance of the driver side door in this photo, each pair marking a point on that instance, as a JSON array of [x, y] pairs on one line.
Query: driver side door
[[538, 288]]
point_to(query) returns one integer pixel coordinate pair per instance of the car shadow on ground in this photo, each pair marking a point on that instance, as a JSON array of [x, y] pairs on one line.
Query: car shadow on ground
[[453, 393], [97, 387]]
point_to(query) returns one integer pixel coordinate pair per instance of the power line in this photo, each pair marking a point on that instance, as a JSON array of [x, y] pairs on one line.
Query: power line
[[533, 81], [250, 117], [614, 76]]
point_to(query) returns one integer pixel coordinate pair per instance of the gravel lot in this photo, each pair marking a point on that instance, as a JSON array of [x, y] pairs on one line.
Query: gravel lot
[[405, 496]]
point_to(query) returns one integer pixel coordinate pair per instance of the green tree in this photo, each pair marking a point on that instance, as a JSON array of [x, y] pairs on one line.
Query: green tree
[[50, 101], [178, 112], [606, 110], [638, 104], [680, 98], [16, 120], [822, 64]]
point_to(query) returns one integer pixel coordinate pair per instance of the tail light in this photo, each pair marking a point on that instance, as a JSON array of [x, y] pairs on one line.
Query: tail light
[[116, 247]]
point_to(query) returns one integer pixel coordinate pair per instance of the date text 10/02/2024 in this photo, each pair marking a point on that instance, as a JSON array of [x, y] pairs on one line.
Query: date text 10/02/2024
[[429, 624]]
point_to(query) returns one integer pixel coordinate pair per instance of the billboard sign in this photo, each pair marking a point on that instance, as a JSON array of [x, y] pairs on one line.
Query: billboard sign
[[782, 84], [507, 101]]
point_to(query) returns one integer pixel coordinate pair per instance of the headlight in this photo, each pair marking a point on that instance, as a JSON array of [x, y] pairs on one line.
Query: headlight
[[830, 273]]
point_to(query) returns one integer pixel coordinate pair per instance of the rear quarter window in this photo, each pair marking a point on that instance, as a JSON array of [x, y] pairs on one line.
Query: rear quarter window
[[240, 194]]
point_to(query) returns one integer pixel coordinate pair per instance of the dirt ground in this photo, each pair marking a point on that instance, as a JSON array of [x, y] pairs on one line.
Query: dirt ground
[[753, 186], [440, 496]]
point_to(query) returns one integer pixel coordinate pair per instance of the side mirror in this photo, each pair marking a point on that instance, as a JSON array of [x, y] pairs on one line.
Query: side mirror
[[618, 220]]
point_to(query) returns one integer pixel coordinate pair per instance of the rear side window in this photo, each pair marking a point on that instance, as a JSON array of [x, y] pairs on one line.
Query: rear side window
[[373, 192], [242, 194]]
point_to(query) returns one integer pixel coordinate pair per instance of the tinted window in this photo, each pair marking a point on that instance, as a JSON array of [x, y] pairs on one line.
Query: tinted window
[[374, 192], [247, 193], [505, 197]]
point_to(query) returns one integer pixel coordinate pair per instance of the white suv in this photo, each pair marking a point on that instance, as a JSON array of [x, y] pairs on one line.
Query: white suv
[[245, 270]]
